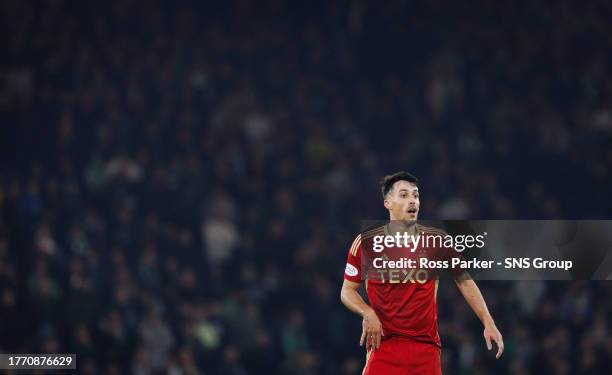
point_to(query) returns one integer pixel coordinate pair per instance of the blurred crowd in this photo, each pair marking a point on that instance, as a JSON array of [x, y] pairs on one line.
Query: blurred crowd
[[180, 182]]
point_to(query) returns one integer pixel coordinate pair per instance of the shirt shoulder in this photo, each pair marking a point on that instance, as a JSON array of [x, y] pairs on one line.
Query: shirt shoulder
[[373, 232], [431, 230], [355, 246]]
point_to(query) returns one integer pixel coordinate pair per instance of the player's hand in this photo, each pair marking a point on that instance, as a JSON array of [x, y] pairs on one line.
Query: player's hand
[[372, 331], [491, 333]]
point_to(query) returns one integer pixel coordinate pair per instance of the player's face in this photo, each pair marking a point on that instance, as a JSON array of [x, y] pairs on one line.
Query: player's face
[[403, 201]]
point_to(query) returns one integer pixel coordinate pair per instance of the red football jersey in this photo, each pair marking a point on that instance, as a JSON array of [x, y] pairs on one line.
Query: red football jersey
[[404, 299]]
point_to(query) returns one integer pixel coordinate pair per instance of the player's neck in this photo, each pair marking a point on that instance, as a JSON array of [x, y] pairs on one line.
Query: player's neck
[[402, 226]]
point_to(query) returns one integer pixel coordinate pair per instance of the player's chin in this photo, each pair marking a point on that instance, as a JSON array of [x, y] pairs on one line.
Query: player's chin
[[411, 216]]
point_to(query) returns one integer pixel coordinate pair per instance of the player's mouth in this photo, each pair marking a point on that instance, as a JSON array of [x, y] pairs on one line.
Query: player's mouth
[[412, 212]]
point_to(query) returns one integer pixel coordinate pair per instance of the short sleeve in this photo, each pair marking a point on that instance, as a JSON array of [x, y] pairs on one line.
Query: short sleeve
[[352, 271]]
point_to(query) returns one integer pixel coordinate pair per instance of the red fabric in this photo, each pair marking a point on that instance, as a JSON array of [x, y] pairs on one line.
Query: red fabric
[[405, 304], [400, 355]]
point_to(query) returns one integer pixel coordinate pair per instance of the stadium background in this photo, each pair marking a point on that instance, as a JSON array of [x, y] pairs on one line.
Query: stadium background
[[180, 181]]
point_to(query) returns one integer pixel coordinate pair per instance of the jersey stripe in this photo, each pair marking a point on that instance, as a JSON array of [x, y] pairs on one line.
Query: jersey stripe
[[356, 245]]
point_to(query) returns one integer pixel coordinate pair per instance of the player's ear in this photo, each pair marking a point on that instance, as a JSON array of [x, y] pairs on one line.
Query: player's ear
[[387, 204]]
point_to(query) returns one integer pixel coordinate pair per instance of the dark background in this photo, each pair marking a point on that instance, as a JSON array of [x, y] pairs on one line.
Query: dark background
[[180, 181]]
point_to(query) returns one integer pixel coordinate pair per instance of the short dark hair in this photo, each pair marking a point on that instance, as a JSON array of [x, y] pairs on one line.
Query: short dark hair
[[387, 182]]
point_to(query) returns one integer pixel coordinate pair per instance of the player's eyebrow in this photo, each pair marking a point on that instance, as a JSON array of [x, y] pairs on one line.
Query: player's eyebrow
[[406, 190]]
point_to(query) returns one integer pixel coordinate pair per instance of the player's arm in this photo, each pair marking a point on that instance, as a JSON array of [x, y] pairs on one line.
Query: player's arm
[[371, 327], [472, 295]]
